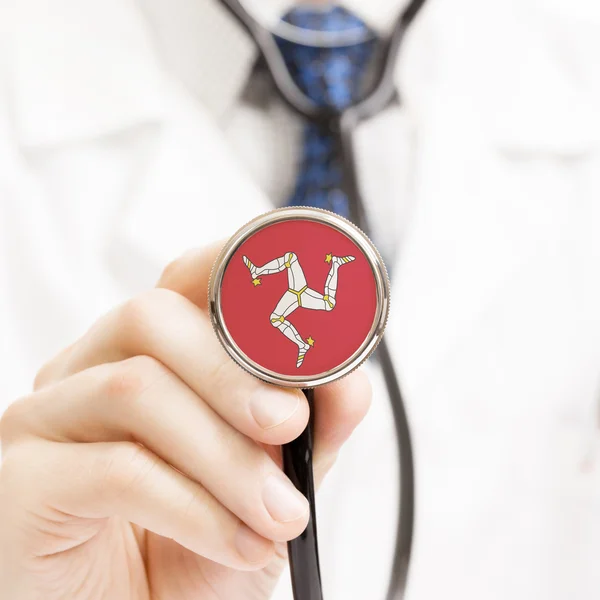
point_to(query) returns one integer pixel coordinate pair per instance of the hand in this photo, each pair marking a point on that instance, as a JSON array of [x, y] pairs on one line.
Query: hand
[[146, 463]]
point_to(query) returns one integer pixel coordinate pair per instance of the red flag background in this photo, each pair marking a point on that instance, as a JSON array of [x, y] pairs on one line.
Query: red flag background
[[337, 333]]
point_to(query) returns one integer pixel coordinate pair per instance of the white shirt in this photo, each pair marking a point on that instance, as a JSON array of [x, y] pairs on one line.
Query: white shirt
[[128, 133]]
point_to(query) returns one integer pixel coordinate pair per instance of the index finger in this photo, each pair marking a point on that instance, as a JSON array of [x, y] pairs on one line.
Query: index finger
[[188, 275]]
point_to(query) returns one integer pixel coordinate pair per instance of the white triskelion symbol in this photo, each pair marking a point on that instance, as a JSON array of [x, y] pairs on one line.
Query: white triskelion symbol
[[298, 294]]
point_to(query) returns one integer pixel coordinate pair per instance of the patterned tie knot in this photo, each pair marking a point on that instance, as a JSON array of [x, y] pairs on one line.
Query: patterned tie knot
[[330, 76]]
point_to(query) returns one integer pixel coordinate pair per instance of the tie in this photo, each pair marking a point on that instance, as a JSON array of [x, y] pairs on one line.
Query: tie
[[331, 78]]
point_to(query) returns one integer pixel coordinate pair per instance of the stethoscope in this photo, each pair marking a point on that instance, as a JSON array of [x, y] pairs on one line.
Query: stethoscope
[[303, 552]]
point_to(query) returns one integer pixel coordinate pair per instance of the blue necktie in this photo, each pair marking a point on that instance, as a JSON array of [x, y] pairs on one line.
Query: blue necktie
[[330, 77]]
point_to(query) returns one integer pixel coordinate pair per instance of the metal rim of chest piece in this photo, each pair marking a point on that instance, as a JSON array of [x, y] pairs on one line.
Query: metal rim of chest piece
[[370, 252]]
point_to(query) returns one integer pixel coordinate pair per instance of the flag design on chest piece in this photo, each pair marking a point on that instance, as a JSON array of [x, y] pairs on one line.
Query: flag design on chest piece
[[298, 297], [299, 294]]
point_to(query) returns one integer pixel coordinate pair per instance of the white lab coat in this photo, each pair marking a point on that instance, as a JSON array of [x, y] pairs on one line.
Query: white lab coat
[[127, 135]]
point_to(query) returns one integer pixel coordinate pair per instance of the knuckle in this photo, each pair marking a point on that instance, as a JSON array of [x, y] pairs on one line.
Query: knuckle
[[148, 367], [174, 268], [124, 468], [136, 314], [138, 317], [128, 380]]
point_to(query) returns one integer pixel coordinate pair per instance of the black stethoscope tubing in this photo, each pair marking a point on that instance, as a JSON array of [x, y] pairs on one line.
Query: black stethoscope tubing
[[297, 456]]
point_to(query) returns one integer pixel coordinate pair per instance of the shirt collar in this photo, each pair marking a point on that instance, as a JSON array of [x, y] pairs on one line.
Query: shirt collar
[[378, 14], [83, 69]]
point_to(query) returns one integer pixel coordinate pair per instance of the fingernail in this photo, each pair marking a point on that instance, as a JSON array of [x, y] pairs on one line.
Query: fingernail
[[283, 501], [252, 547], [271, 408]]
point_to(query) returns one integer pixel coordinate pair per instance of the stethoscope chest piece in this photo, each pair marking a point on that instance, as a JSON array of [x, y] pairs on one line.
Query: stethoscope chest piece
[[299, 297]]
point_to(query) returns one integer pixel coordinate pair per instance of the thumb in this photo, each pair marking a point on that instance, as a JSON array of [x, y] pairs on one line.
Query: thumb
[[339, 408]]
